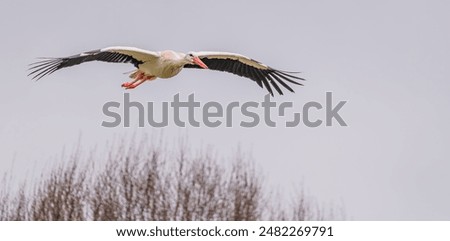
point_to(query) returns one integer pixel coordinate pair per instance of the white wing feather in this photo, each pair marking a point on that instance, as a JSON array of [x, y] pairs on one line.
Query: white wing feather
[[137, 53]]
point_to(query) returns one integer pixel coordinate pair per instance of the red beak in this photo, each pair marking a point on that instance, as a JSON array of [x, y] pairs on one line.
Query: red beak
[[200, 63]]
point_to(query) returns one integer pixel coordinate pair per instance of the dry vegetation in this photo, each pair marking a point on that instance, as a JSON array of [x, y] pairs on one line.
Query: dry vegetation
[[137, 182]]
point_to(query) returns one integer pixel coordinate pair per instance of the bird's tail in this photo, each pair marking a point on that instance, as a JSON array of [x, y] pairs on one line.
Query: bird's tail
[[133, 74]]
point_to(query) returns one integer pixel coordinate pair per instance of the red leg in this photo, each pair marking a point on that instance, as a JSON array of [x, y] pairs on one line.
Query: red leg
[[139, 76], [141, 81], [132, 86]]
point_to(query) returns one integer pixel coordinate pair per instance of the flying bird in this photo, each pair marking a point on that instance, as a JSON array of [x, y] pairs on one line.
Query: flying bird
[[166, 64]]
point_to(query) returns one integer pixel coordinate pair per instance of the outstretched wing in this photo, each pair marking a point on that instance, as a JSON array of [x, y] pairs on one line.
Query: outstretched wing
[[112, 54], [243, 66]]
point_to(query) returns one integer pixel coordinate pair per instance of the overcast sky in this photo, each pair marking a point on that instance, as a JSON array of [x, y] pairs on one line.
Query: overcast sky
[[388, 59]]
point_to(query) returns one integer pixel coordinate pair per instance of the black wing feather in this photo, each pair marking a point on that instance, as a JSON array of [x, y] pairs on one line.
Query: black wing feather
[[49, 65], [263, 77], [274, 83]]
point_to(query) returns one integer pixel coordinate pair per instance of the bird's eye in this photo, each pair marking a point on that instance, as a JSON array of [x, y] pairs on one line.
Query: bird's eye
[[191, 55]]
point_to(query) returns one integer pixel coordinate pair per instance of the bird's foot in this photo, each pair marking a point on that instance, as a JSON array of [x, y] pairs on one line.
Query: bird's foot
[[140, 79], [127, 84]]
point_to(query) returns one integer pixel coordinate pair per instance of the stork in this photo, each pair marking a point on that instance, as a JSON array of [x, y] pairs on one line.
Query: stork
[[166, 64]]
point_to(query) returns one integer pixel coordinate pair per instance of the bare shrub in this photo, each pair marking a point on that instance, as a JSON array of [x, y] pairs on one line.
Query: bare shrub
[[138, 181]]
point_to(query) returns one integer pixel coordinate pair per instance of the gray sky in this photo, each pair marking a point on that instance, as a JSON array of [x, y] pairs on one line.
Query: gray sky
[[388, 59]]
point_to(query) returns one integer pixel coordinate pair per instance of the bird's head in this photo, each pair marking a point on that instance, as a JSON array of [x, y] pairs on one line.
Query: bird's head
[[191, 58]]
